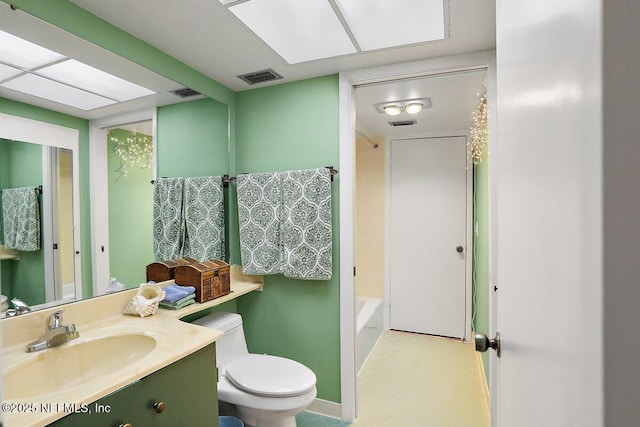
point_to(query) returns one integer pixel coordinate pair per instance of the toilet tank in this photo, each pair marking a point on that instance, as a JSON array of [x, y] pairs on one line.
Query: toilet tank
[[232, 344]]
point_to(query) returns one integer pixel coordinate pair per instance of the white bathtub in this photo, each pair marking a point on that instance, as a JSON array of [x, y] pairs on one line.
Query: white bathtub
[[368, 327]]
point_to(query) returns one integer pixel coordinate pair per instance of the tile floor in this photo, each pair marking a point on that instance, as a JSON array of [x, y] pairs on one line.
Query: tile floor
[[417, 381]]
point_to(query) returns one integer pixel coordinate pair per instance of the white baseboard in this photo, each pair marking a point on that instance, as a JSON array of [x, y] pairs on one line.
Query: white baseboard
[[326, 408]]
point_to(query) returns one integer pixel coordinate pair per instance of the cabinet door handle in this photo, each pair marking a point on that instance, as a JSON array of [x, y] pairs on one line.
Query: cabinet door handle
[[159, 407]]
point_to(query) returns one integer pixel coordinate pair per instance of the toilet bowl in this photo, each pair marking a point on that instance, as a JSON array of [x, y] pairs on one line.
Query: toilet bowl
[[267, 391]]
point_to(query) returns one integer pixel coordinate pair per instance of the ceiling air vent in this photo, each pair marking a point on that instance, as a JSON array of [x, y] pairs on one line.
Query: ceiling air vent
[[260, 76], [403, 123], [185, 92]]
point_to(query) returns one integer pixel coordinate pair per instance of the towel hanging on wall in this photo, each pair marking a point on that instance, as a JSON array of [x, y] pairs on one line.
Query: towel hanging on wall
[[306, 224], [204, 218], [168, 218], [259, 214], [21, 218], [285, 223]]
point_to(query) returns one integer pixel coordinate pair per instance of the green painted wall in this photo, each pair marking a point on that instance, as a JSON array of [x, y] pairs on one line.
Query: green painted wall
[[481, 250], [25, 278], [285, 127], [192, 139], [29, 111], [130, 216]]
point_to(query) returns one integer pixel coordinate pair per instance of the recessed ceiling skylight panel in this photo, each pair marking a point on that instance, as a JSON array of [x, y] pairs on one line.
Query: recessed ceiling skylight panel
[[379, 24], [305, 30], [20, 53], [298, 30], [7, 71], [91, 79], [41, 87]]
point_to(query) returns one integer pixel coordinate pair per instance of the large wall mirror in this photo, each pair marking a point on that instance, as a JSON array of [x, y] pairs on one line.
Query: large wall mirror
[[104, 215], [42, 158]]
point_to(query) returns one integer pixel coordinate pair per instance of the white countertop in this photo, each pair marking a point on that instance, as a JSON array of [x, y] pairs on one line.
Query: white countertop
[[100, 317]]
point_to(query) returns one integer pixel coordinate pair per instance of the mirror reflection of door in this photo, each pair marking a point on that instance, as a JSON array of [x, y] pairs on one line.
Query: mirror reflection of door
[[61, 187], [47, 275], [130, 171]]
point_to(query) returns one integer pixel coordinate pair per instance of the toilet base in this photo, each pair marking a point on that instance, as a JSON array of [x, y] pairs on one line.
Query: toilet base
[[260, 411], [248, 417]]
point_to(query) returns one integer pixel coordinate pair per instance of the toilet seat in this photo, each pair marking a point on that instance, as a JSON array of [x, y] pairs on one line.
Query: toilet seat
[[270, 376]]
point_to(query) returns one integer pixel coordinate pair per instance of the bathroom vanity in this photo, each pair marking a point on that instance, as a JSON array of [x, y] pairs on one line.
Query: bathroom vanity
[[123, 370], [181, 394]]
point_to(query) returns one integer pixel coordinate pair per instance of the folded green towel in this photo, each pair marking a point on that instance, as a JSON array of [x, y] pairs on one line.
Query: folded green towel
[[185, 302], [191, 296]]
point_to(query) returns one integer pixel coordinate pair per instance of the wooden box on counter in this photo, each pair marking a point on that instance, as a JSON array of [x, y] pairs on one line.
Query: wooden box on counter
[[210, 278], [161, 271]]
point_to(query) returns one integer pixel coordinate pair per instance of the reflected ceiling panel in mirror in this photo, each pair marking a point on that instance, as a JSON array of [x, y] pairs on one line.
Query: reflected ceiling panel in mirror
[[192, 138], [44, 66]]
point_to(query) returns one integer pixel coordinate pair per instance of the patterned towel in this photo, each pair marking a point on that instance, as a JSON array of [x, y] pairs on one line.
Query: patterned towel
[[306, 226], [168, 218], [285, 223], [259, 213], [204, 218], [21, 219]]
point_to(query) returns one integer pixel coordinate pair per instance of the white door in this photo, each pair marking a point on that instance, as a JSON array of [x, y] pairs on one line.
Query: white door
[[428, 235], [549, 215]]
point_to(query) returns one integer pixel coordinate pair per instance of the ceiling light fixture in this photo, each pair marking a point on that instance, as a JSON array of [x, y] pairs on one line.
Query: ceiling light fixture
[[410, 106], [413, 107], [392, 110]]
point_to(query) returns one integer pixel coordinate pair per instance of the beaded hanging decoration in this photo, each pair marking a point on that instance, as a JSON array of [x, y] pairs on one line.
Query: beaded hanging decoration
[[479, 131]]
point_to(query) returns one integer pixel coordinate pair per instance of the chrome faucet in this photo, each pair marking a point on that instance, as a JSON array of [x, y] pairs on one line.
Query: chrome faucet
[[55, 333], [19, 307]]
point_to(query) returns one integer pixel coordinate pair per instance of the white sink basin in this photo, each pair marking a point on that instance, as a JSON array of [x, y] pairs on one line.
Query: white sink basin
[[76, 362]]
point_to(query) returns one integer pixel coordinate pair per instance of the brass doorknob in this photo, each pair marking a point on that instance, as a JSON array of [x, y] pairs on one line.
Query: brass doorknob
[[159, 407], [483, 343]]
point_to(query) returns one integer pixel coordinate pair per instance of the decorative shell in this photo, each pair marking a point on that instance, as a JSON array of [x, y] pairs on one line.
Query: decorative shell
[[146, 301]]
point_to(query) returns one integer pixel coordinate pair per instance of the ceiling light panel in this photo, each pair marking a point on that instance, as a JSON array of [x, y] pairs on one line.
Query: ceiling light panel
[[57, 92], [299, 31], [378, 24], [23, 54], [91, 79], [6, 72]]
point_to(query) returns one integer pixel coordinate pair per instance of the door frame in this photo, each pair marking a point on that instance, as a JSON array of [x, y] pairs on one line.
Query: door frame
[[347, 135], [98, 159]]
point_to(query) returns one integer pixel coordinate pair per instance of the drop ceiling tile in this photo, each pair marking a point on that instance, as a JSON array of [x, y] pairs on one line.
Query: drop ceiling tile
[[85, 77], [378, 24], [7, 71], [57, 92], [23, 54], [299, 31]]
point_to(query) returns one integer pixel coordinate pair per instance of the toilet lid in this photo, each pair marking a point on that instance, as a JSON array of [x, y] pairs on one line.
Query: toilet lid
[[270, 376]]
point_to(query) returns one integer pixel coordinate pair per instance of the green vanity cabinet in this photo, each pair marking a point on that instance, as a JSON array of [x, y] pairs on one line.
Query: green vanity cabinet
[[186, 388]]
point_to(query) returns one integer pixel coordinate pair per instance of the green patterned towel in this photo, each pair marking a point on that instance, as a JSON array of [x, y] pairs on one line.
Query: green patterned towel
[[259, 214], [204, 218], [306, 224], [168, 218], [285, 223], [21, 219]]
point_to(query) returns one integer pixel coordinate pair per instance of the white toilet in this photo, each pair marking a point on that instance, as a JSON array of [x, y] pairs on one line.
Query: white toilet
[[268, 391]]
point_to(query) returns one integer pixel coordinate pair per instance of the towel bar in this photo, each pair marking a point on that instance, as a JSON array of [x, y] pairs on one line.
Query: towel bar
[[226, 179]]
